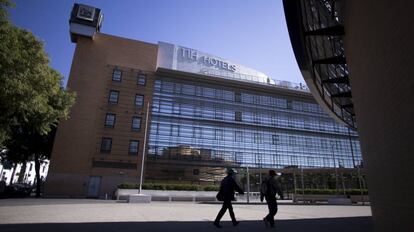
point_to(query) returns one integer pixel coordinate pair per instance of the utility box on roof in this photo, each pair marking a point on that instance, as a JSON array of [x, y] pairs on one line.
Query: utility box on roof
[[84, 21]]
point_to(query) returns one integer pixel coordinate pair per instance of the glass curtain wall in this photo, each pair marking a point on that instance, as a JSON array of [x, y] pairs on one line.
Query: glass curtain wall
[[197, 129]]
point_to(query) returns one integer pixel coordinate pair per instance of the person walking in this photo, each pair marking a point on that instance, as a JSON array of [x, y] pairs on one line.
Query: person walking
[[226, 194], [270, 187]]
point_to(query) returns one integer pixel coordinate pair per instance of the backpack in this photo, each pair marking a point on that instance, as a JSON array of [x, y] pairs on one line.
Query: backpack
[[264, 187]]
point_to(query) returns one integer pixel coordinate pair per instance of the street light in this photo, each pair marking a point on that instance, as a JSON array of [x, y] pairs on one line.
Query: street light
[[144, 148], [336, 171]]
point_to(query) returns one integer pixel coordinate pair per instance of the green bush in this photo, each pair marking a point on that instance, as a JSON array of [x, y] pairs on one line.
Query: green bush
[[332, 191], [128, 186], [182, 187], [211, 188]]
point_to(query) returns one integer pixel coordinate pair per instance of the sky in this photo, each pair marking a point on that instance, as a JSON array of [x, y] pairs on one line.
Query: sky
[[252, 33]]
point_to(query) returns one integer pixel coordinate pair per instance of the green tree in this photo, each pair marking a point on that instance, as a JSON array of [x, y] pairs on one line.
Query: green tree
[[32, 99]]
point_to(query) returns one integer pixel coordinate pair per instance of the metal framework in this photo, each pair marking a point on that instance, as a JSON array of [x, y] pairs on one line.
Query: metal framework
[[316, 33]]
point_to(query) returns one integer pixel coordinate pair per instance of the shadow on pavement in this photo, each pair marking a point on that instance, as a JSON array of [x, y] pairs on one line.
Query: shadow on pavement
[[349, 224]]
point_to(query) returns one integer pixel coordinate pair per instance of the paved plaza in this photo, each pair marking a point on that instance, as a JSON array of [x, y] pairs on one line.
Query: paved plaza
[[61, 215]]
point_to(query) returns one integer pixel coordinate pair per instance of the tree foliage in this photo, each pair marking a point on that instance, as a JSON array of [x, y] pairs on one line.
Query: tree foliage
[[31, 95], [32, 99]]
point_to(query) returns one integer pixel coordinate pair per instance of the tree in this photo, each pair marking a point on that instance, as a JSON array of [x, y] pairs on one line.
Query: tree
[[32, 99]]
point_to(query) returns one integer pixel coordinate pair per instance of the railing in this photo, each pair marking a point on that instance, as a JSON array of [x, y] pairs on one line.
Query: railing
[[256, 79]]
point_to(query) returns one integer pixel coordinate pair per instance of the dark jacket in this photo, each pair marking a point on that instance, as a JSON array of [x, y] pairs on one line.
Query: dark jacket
[[227, 188], [273, 187]]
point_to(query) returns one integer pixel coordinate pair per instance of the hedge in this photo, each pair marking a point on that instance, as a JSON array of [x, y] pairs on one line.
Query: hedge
[[333, 191], [182, 187]]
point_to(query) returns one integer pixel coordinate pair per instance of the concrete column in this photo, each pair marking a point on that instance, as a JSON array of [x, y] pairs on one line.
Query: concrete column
[[379, 45]]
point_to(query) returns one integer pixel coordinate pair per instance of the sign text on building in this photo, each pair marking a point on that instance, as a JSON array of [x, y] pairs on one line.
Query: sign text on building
[[193, 55]]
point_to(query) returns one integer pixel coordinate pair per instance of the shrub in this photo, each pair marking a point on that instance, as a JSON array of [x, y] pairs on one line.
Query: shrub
[[211, 188], [332, 191], [182, 187]]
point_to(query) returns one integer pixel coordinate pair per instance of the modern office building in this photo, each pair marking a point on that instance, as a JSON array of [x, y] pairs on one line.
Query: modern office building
[[205, 114], [357, 59]]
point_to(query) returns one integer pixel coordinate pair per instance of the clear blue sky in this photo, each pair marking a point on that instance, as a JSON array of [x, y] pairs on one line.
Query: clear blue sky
[[249, 32]]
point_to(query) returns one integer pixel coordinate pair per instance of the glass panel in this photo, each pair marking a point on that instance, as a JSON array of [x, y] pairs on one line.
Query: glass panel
[[117, 75], [110, 120], [106, 145], [113, 96], [142, 79], [133, 147], [139, 100], [136, 123]]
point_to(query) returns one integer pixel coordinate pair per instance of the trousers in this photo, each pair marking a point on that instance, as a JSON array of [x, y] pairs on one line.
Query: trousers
[[226, 205], [272, 205]]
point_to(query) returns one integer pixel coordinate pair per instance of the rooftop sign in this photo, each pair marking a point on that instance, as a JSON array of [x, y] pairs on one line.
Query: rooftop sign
[[184, 59]]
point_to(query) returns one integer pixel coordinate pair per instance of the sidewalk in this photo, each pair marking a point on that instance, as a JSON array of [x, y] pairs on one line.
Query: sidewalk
[[99, 215]]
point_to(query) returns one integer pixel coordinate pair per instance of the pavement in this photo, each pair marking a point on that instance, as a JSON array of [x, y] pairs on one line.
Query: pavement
[[61, 215]]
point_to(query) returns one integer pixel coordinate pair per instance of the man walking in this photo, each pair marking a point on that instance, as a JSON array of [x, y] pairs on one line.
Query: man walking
[[226, 194], [269, 188]]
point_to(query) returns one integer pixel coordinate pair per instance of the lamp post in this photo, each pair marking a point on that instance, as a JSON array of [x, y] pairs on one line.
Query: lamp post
[[248, 184], [303, 184], [144, 149], [336, 171], [260, 169]]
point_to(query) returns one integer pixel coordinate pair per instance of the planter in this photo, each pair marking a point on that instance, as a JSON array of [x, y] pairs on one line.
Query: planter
[[168, 195]]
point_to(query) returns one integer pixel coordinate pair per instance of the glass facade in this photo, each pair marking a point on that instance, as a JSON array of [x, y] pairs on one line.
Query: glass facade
[[214, 125]]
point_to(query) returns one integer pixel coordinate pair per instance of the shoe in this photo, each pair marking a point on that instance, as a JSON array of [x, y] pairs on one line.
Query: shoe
[[266, 222], [235, 223], [216, 224]]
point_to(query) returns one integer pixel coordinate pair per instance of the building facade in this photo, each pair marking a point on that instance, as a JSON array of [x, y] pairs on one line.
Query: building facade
[[205, 114], [357, 58]]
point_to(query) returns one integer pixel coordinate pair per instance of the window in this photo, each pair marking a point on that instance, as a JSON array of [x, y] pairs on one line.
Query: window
[[110, 120], [258, 159], [219, 113], [175, 130], [197, 132], [292, 140], [273, 120], [106, 145], [176, 108], [142, 79], [275, 139], [289, 104], [256, 99], [238, 157], [139, 100], [238, 136], [257, 138], [113, 96], [198, 111], [218, 134], [256, 118], [136, 123], [117, 75], [237, 97], [133, 147], [238, 116]]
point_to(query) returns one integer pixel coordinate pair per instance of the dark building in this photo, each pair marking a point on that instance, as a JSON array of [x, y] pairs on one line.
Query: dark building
[[357, 58]]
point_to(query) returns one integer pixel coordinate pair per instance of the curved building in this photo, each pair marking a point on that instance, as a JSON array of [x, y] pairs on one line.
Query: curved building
[[357, 57]]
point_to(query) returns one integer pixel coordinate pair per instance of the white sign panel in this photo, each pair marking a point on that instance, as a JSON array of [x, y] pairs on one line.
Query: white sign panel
[[184, 59]]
